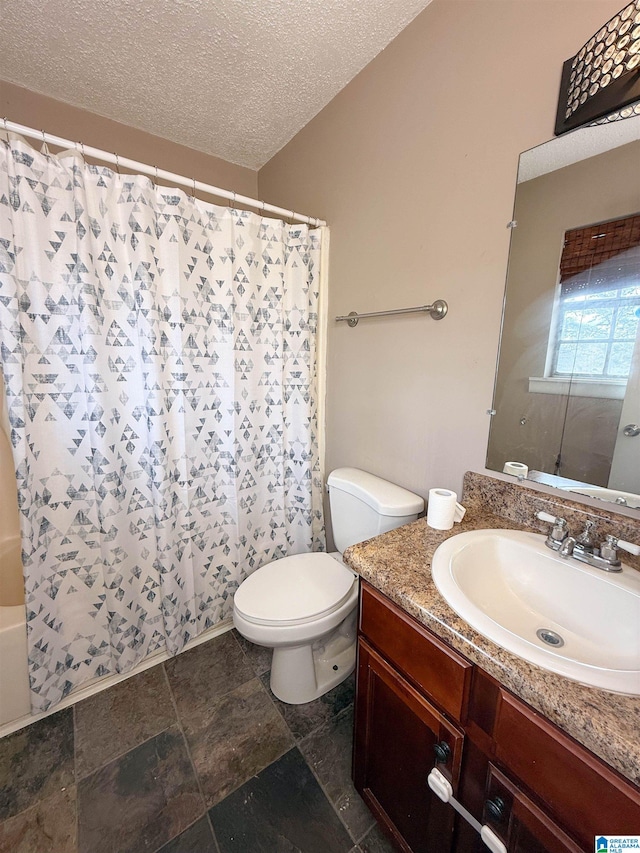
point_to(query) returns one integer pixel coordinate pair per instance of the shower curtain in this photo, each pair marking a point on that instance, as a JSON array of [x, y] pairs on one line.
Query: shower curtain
[[159, 357]]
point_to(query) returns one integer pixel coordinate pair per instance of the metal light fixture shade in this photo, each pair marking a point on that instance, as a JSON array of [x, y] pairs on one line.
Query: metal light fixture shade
[[602, 81]]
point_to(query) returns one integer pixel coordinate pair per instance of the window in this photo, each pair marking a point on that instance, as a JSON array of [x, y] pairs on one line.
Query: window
[[596, 333], [598, 309]]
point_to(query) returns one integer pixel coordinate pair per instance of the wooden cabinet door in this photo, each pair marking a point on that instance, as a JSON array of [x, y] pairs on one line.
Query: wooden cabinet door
[[519, 822], [523, 826], [585, 795], [396, 731]]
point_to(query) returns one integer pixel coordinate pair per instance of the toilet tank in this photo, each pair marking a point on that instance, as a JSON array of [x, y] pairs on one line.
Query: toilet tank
[[362, 505]]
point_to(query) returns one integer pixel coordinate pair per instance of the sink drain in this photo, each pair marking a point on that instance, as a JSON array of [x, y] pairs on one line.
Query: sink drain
[[550, 637]]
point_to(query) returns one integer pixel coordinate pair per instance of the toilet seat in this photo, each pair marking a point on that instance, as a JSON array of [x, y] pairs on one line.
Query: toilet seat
[[294, 590]]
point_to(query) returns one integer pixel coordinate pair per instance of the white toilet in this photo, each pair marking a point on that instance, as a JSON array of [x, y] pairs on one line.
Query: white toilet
[[304, 606]]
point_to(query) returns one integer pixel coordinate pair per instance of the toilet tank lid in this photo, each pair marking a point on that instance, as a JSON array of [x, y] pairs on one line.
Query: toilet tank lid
[[384, 497]]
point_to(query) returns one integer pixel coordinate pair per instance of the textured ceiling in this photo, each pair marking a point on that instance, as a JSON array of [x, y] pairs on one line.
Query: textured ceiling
[[234, 78]]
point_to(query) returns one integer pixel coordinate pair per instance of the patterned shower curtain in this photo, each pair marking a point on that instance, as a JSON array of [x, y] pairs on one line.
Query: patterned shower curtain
[[159, 358]]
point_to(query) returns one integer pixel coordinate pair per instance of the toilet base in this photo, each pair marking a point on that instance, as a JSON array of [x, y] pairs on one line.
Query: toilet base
[[300, 674]]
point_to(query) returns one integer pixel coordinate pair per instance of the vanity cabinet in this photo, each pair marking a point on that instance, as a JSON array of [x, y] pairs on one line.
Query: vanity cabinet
[[397, 733], [419, 703], [403, 728]]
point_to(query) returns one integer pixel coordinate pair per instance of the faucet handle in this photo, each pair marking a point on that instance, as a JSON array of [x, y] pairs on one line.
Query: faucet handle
[[546, 516], [609, 549], [559, 524], [558, 532], [631, 547]]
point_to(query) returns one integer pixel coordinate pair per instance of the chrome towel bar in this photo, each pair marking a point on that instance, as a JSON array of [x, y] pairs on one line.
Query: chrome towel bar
[[437, 310]]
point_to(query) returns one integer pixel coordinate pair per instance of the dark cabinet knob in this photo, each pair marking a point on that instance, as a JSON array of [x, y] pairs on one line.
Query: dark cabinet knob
[[442, 751], [495, 808]]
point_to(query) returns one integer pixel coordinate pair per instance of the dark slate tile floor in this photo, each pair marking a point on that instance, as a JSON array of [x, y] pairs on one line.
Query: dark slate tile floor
[[192, 756]]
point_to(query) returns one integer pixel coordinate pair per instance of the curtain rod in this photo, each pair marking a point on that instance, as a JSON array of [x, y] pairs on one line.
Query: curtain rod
[[154, 172]]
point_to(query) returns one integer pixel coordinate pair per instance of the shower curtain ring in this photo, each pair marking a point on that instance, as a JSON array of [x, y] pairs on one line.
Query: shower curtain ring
[[193, 194], [115, 154], [232, 201], [82, 149], [45, 147], [4, 121], [155, 180]]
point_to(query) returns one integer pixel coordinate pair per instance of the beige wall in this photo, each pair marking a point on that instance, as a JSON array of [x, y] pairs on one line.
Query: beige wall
[[413, 165], [591, 191], [34, 110]]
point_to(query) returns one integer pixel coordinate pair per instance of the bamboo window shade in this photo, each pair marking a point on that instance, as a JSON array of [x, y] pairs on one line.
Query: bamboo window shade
[[599, 256]]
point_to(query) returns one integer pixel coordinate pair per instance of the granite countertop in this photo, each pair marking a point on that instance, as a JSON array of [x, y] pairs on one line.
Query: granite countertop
[[398, 564]]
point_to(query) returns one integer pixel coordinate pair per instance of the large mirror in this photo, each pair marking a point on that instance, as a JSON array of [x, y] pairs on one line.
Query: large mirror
[[566, 408]]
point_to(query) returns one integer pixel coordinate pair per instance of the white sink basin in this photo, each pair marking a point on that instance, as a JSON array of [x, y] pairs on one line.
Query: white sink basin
[[509, 586]]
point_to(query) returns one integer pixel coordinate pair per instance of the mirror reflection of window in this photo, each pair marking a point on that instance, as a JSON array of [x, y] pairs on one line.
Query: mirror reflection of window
[[567, 386], [597, 312]]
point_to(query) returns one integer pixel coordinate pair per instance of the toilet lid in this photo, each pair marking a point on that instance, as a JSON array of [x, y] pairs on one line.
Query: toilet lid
[[294, 589]]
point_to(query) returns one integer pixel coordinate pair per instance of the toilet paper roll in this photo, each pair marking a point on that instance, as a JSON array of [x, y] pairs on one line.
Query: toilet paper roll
[[518, 469], [443, 509]]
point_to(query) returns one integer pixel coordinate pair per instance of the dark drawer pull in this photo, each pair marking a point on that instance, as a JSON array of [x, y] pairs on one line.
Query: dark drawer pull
[[495, 808], [442, 752]]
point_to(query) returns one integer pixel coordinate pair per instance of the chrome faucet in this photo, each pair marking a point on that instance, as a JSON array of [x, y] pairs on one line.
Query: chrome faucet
[[567, 547], [582, 547]]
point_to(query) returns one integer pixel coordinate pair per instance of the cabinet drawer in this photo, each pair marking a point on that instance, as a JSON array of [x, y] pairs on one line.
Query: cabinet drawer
[[438, 671], [519, 823], [585, 795]]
